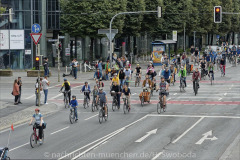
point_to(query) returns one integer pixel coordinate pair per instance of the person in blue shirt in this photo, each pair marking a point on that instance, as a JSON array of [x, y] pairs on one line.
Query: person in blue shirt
[[238, 50], [98, 75], [100, 66], [85, 88], [208, 59], [74, 105], [167, 74]]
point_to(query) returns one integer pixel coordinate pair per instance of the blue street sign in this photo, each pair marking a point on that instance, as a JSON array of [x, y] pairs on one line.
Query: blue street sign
[[36, 28]]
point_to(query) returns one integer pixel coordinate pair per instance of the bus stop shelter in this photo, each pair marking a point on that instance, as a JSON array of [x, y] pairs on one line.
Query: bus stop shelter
[[158, 48]]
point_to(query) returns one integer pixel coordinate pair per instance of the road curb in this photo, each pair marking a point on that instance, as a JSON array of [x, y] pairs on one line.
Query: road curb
[[233, 150]]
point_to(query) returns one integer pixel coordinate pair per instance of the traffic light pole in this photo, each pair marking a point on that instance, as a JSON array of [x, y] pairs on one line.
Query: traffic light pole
[[38, 94], [110, 28]]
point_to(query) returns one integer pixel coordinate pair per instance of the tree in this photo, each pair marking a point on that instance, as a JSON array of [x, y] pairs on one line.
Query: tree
[[84, 18], [2, 9]]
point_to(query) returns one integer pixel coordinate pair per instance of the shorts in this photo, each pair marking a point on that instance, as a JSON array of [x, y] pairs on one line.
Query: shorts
[[162, 93]]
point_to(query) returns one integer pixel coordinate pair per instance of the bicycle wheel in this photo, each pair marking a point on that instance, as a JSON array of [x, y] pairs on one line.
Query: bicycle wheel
[[84, 103], [158, 108], [42, 136], [124, 108], [71, 117], [113, 105], [165, 108], [196, 88], [142, 101], [93, 106], [100, 116], [33, 140], [66, 102], [211, 80], [106, 117]]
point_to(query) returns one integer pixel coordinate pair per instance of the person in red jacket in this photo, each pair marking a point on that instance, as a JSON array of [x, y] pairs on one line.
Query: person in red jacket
[[15, 91], [196, 77]]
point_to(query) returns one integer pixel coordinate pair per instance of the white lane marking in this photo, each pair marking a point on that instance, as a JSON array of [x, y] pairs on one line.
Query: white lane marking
[[56, 96], [168, 99], [91, 117], [175, 94], [102, 139], [225, 94], [59, 130], [18, 147], [134, 94], [147, 135], [30, 96], [188, 130], [219, 99], [159, 154], [54, 86], [205, 136], [230, 88], [192, 116]]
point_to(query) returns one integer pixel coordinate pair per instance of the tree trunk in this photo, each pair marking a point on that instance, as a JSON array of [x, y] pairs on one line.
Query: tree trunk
[[75, 54], [233, 37], [71, 50], [211, 39]]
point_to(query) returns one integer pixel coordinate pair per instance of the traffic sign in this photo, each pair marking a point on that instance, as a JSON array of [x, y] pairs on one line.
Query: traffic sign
[[104, 31], [36, 28], [52, 40], [36, 37]]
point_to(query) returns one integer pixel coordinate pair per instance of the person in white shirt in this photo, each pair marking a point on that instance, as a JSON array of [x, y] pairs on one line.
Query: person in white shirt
[[45, 84]]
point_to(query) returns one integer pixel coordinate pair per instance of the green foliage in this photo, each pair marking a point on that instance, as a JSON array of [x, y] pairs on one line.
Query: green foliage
[[2, 9]]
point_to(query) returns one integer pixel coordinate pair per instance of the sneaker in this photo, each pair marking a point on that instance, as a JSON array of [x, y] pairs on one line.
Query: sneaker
[[20, 102], [105, 115], [15, 103], [40, 141], [76, 120], [45, 103]]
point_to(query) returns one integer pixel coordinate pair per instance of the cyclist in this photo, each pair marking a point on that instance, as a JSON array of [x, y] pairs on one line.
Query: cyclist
[[166, 60], [122, 77], [211, 70], [127, 72], [195, 77], [173, 71], [167, 74], [147, 83], [67, 87], [74, 105], [99, 83], [208, 59], [218, 58], [150, 67], [116, 89], [115, 79], [223, 64], [138, 70], [126, 91], [103, 100], [178, 61], [183, 74], [39, 123], [151, 74], [196, 55], [164, 88], [86, 87], [98, 75], [203, 66]]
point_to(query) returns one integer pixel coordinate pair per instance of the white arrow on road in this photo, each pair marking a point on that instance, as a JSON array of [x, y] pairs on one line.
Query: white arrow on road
[[147, 135], [205, 136]]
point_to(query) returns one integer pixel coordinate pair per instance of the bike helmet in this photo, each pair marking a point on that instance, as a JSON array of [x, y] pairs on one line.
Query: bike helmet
[[73, 96], [65, 79], [100, 89], [37, 109], [182, 68], [162, 77], [115, 74]]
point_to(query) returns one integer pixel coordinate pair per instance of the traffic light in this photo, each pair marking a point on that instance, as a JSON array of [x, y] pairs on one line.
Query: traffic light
[[37, 59], [10, 15], [217, 14], [159, 12], [60, 46]]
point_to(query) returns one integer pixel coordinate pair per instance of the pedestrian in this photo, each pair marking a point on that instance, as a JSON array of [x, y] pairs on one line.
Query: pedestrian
[[107, 69], [74, 67], [45, 65], [38, 90], [100, 65], [15, 91], [20, 89], [45, 84]]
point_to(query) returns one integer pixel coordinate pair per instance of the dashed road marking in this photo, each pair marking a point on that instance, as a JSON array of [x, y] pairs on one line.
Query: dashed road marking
[[91, 117], [59, 130]]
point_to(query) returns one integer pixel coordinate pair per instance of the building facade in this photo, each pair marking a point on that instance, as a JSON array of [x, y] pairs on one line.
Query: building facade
[[26, 13]]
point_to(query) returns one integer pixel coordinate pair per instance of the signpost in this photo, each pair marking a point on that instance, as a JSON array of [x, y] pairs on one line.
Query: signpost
[[174, 35], [36, 37]]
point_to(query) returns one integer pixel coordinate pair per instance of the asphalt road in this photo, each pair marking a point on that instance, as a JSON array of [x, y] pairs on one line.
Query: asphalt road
[[193, 127]]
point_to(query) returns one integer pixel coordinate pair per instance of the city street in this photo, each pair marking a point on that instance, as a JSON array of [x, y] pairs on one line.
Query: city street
[[205, 126]]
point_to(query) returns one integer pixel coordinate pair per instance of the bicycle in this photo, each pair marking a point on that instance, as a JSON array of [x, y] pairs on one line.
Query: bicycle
[[4, 153], [125, 105], [196, 60], [86, 100], [72, 117], [101, 115], [143, 95], [34, 138], [138, 79], [127, 81], [182, 84], [203, 73], [172, 79], [196, 87], [188, 67], [66, 99], [160, 107], [211, 78], [94, 104], [222, 72], [114, 102]]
